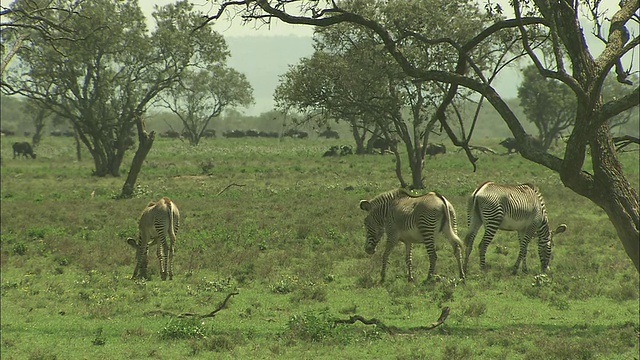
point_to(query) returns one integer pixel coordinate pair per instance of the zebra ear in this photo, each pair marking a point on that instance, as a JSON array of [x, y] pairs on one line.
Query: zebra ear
[[560, 229], [132, 242], [365, 205]]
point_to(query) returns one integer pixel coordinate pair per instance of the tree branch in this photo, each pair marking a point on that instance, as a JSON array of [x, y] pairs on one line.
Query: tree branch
[[393, 330]]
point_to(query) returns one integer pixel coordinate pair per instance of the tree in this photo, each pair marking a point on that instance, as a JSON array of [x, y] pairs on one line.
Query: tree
[[104, 83], [547, 103], [203, 95], [350, 77], [573, 64]]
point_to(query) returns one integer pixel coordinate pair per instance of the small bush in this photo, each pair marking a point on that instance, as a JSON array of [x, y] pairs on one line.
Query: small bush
[[312, 326], [475, 309], [183, 329], [19, 248], [286, 285], [310, 292]]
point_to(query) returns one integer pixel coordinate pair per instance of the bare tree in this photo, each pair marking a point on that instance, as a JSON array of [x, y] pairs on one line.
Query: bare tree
[[606, 186]]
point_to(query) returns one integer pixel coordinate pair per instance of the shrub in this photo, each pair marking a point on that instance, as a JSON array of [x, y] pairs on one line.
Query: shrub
[[475, 309], [312, 326], [184, 329]]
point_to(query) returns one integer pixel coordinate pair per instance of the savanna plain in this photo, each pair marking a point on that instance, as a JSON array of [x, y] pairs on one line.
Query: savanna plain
[[288, 237]]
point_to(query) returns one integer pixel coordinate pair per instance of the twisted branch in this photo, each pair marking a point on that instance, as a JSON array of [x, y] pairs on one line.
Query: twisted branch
[[394, 330]]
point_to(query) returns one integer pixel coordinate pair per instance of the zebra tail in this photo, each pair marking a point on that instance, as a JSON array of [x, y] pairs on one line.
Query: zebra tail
[[449, 223], [472, 208]]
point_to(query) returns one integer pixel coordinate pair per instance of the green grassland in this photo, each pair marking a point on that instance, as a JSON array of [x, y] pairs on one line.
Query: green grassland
[[290, 241]]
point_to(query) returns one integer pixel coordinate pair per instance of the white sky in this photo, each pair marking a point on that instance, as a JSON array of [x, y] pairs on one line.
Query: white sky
[[226, 25]]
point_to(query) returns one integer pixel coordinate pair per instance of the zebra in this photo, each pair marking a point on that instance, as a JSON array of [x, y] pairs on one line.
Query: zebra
[[410, 219], [158, 221], [518, 208]]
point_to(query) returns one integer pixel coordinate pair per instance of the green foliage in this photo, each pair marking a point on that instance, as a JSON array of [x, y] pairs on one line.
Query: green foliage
[[189, 328], [312, 326], [548, 103]]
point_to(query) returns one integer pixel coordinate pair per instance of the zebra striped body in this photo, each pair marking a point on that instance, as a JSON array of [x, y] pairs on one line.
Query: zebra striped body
[[410, 219], [518, 208], [159, 221]]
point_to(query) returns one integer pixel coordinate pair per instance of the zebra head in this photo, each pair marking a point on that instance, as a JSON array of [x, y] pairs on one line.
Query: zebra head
[[374, 226]]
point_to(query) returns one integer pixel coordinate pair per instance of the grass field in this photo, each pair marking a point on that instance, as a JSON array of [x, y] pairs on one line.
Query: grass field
[[290, 241]]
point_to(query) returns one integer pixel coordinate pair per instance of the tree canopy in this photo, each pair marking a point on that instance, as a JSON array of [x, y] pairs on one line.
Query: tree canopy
[[351, 78]]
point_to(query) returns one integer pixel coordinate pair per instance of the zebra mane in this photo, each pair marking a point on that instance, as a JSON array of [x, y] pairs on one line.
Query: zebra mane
[[391, 195], [388, 196], [536, 190]]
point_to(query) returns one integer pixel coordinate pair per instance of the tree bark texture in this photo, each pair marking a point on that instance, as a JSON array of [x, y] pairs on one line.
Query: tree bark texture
[[145, 142]]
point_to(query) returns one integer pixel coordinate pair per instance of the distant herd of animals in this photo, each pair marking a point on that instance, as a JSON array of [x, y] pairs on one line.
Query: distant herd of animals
[[293, 133], [379, 144], [403, 217]]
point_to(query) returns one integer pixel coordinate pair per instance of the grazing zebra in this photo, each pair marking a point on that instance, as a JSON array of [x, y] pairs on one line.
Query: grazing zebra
[[410, 219], [518, 208], [158, 221]]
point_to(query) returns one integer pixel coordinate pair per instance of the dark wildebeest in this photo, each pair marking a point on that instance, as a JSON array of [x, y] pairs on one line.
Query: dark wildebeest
[[435, 149], [233, 134], [346, 150], [333, 151], [383, 144], [209, 133], [252, 133], [24, 149], [172, 134], [510, 144], [329, 134], [296, 134]]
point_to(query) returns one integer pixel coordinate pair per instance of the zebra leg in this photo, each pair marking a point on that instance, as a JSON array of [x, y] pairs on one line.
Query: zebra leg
[[522, 255], [489, 233], [141, 264], [171, 250], [408, 260], [433, 257], [544, 251], [385, 257], [164, 259]]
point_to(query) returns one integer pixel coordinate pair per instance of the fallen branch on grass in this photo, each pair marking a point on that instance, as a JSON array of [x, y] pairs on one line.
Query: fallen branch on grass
[[184, 315], [393, 330], [228, 186]]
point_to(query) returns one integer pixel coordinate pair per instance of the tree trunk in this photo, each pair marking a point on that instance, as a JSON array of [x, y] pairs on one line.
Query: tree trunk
[[144, 146], [360, 149], [416, 173], [78, 147]]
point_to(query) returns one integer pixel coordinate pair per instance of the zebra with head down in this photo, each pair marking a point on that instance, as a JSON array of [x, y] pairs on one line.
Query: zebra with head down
[[518, 208], [159, 220], [410, 219]]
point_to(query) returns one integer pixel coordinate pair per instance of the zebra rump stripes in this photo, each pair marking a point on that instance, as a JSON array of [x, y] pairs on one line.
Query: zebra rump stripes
[[410, 219], [518, 208]]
